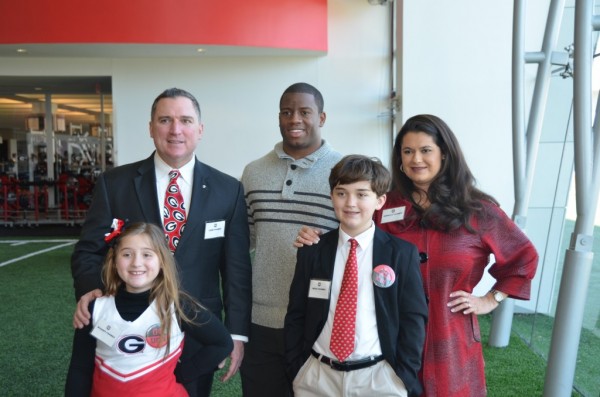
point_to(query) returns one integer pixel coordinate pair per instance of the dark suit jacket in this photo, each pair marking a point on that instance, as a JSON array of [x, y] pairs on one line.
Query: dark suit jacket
[[128, 192], [401, 309]]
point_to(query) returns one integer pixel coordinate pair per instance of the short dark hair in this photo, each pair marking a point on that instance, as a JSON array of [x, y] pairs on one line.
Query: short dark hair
[[305, 88], [175, 93], [355, 168]]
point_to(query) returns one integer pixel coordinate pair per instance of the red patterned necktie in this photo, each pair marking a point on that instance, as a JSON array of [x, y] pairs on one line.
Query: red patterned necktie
[[173, 211], [344, 320]]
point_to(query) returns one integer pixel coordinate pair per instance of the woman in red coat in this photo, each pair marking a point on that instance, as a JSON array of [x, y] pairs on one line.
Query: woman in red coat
[[435, 205]]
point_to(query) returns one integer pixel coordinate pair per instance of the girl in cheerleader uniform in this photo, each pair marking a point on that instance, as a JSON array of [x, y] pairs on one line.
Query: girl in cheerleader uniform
[[136, 335]]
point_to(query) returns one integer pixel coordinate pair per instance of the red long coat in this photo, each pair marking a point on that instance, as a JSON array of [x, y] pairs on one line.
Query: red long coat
[[452, 358]]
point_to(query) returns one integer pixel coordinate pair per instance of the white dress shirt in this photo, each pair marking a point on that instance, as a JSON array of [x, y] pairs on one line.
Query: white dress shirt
[[366, 337], [185, 181]]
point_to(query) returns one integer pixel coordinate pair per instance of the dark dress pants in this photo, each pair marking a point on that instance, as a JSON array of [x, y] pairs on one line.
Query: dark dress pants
[[200, 387], [263, 368]]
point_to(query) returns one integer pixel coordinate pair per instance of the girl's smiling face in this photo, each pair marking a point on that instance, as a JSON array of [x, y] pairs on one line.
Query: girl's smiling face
[[137, 263]]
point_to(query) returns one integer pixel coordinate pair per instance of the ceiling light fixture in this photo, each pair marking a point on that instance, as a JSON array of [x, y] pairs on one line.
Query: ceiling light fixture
[[200, 50], [21, 50]]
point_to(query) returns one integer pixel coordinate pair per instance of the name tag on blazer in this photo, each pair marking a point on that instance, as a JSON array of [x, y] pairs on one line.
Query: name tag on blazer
[[319, 289], [214, 229]]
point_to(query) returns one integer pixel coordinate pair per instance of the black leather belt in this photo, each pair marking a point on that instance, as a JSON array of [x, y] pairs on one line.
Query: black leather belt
[[347, 365]]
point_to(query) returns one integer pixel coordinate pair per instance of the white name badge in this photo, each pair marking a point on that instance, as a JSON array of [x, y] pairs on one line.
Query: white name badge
[[319, 289], [214, 229], [106, 332], [393, 214]]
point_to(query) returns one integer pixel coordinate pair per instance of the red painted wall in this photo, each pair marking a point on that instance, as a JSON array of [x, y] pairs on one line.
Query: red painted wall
[[292, 24]]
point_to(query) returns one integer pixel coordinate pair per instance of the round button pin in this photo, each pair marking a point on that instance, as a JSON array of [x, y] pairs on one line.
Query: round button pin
[[383, 276]]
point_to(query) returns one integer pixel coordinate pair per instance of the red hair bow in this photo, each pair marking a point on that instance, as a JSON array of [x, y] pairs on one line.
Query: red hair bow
[[116, 229]]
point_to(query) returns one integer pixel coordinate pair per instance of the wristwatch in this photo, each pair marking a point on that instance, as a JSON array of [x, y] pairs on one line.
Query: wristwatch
[[498, 296]]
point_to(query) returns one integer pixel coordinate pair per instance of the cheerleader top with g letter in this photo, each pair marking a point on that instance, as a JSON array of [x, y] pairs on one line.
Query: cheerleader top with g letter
[[130, 355]]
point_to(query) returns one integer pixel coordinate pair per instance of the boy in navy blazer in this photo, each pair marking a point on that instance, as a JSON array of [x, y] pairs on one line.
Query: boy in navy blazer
[[386, 316]]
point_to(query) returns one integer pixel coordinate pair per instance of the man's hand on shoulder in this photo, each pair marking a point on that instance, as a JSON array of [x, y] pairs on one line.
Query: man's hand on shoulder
[[81, 318], [307, 236]]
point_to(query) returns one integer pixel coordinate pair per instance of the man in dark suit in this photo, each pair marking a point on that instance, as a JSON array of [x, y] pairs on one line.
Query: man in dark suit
[[213, 250], [387, 329]]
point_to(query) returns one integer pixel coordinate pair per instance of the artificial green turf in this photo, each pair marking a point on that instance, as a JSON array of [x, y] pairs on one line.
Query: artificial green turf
[[536, 329], [513, 370], [37, 302], [36, 309]]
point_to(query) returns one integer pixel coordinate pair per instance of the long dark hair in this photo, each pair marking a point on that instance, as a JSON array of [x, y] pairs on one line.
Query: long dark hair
[[452, 195]]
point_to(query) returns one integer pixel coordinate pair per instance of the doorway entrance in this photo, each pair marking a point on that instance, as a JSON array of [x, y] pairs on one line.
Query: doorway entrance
[[55, 139]]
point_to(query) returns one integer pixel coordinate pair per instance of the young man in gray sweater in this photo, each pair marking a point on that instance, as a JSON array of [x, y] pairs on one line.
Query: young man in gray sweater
[[285, 189]]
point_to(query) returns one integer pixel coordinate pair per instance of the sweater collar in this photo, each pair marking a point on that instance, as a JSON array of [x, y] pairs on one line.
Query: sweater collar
[[308, 161]]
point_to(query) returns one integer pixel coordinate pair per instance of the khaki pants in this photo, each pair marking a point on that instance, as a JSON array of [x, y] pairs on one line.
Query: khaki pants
[[316, 379]]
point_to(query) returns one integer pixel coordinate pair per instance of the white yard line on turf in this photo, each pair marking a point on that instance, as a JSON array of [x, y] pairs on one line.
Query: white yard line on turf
[[69, 242], [21, 242]]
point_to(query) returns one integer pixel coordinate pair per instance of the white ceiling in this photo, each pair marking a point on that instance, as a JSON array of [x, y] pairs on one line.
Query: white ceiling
[[142, 51], [78, 97]]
